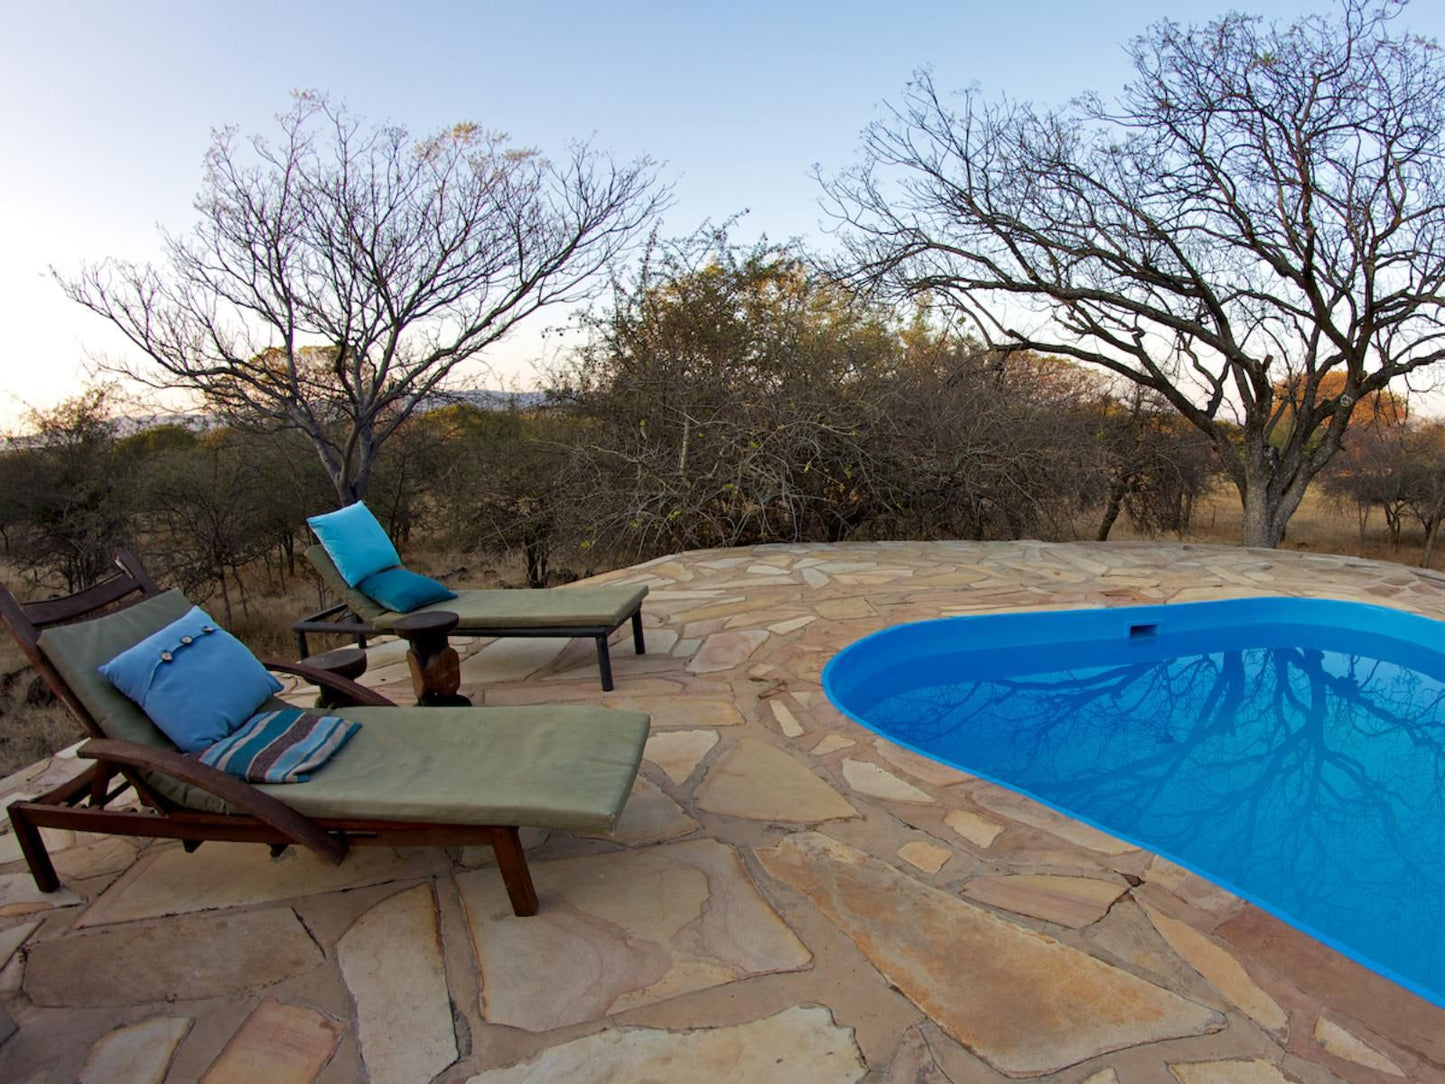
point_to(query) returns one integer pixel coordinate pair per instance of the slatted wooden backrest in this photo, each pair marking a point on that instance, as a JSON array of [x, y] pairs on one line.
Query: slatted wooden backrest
[[27, 620]]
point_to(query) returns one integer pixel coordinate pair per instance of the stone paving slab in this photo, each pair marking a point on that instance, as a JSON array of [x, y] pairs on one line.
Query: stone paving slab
[[186, 958], [621, 930], [139, 1054], [788, 896], [800, 1045], [1026, 1004], [279, 1044]]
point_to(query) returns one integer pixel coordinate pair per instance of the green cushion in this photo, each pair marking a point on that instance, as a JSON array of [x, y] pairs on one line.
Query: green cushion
[[563, 766], [77, 650], [484, 613], [361, 606], [487, 613]]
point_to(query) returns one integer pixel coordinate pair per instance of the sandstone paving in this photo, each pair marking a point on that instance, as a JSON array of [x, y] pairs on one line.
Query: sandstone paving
[[1021, 808], [787, 722], [725, 650], [278, 1044], [920, 767], [928, 857], [801, 1045], [56, 839], [1126, 937], [169, 881], [391, 962], [97, 857], [914, 1062], [621, 930], [13, 937], [831, 743], [183, 958], [1345, 1044], [702, 926], [679, 711], [928, 1056], [1222, 970], [19, 896], [1065, 901], [869, 779], [1192, 888], [678, 752], [1344, 985], [1229, 1071], [138, 1054], [979, 830], [760, 782], [1025, 1003], [650, 817], [511, 659]]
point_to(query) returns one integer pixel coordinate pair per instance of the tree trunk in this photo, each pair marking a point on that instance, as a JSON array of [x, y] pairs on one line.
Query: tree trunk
[[535, 548], [225, 595], [1433, 531], [1430, 544], [1261, 527], [1112, 506], [1270, 492], [1267, 512]]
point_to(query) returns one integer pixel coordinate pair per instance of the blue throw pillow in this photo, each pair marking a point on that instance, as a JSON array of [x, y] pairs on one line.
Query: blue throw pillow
[[403, 591], [196, 681], [355, 542]]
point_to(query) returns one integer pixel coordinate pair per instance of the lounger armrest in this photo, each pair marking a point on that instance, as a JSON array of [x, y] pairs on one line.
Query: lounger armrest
[[234, 792], [357, 695]]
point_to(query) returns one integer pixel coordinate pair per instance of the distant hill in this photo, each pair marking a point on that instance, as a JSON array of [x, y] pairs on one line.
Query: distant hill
[[480, 398], [484, 399]]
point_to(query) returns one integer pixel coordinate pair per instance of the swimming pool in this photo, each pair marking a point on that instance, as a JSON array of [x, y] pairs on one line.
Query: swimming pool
[[1291, 750]]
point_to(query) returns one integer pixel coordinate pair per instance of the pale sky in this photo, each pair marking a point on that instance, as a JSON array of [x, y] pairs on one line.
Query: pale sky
[[108, 109]]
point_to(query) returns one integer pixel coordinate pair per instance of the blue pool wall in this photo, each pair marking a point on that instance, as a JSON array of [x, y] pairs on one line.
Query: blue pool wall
[[858, 669]]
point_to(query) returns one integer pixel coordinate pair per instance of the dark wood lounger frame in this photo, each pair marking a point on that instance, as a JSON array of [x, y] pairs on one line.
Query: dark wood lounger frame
[[321, 621], [81, 804]]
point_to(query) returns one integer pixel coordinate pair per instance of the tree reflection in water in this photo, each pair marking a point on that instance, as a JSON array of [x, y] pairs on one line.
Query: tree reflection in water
[[1312, 781]]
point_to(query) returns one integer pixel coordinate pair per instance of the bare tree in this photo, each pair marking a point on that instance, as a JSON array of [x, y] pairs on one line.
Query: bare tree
[[1262, 207], [337, 278], [1156, 465]]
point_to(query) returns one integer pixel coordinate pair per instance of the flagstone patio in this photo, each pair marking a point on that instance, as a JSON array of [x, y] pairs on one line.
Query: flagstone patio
[[788, 897]]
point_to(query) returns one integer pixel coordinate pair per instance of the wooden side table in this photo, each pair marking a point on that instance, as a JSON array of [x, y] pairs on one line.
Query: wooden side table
[[436, 670], [347, 662]]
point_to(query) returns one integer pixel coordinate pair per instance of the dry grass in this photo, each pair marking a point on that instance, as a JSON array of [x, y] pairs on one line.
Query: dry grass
[[32, 724], [1320, 526]]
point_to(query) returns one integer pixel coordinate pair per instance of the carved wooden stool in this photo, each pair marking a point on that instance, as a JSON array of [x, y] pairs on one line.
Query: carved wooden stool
[[436, 671], [347, 662]]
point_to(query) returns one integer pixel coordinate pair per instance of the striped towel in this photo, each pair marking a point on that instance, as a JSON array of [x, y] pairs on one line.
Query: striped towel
[[279, 746]]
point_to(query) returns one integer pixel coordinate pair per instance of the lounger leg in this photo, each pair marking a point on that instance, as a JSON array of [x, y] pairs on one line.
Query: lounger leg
[[512, 861], [100, 784], [32, 846], [638, 643], [604, 663]]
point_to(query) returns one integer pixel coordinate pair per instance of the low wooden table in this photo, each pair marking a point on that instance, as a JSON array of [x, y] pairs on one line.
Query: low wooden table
[[436, 670], [347, 662]]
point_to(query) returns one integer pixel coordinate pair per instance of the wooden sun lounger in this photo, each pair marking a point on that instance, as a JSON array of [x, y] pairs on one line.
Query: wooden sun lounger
[[449, 776], [595, 612]]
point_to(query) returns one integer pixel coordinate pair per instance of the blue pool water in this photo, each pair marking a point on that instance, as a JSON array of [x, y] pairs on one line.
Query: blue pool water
[[1292, 750]]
